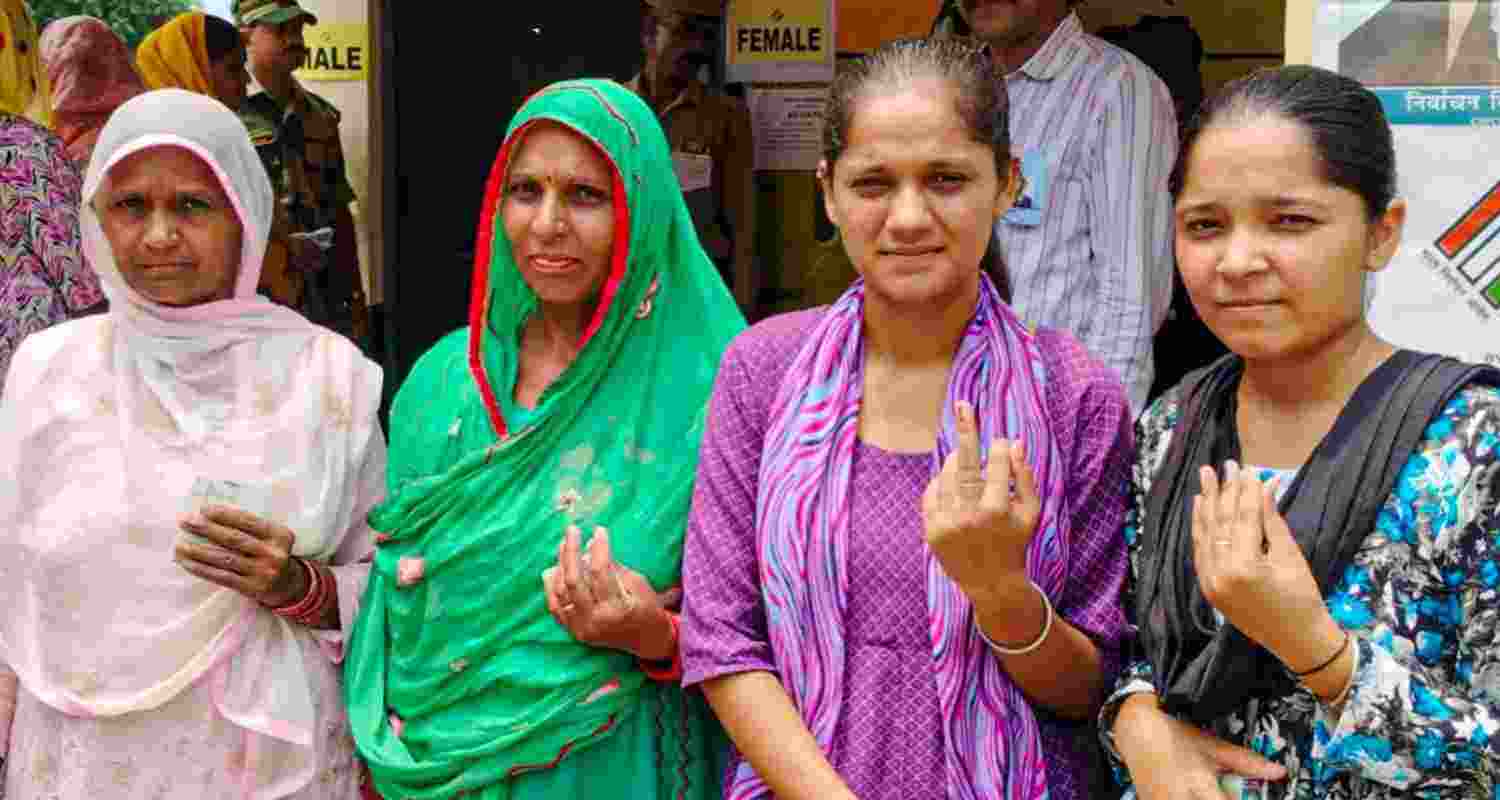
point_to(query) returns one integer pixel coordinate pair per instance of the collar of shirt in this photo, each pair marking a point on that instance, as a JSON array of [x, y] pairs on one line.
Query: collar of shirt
[[255, 88], [1057, 52], [691, 95]]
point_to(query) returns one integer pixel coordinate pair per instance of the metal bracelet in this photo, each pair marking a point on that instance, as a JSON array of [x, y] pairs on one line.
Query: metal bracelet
[[1033, 644]]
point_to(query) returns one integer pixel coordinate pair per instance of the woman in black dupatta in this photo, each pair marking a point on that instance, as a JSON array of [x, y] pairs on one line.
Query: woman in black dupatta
[[1315, 536]]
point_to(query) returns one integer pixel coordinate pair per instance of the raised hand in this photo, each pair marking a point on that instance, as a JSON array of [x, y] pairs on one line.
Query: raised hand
[[978, 526], [1252, 570], [605, 604]]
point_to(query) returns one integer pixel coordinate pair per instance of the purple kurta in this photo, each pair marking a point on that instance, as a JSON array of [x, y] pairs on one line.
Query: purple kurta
[[888, 743]]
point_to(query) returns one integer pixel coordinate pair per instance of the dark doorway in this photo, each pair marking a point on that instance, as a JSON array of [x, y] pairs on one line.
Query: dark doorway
[[456, 82]]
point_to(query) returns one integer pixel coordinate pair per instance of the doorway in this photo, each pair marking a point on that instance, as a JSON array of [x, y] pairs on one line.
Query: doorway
[[456, 80]]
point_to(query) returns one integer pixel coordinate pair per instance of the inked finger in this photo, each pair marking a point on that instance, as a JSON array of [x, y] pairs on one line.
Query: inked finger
[[970, 477]]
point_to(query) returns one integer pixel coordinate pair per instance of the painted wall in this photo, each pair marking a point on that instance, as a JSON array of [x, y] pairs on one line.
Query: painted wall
[[1299, 30], [1238, 35], [864, 24]]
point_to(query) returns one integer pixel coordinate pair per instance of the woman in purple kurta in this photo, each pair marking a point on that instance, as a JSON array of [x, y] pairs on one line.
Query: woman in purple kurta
[[895, 730]]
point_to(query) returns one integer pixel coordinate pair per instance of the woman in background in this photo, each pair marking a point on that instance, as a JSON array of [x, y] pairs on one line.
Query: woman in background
[[198, 52], [91, 74], [43, 277]]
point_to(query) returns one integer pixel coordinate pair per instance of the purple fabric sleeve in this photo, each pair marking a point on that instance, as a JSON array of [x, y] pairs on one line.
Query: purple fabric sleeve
[[723, 621], [1091, 418]]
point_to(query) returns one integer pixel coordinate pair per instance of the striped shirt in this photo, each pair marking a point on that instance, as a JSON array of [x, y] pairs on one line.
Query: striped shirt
[[1088, 246]]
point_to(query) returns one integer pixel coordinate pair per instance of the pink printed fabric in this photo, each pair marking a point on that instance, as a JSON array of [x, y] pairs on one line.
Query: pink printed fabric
[[991, 741], [43, 276]]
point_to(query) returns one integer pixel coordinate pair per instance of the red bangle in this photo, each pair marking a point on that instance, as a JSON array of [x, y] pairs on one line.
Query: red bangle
[[327, 590], [671, 672], [310, 608], [299, 606]]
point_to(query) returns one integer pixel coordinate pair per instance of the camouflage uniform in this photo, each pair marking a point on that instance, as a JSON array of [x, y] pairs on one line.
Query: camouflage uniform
[[300, 148]]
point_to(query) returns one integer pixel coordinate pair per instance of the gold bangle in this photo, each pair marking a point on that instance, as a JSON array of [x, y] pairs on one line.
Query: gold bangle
[[1033, 644]]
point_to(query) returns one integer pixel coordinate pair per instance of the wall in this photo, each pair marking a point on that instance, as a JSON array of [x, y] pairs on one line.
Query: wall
[[1238, 35], [864, 24], [1299, 30]]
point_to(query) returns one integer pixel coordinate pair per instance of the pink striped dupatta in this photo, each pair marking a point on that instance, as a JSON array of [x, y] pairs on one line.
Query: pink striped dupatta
[[991, 741]]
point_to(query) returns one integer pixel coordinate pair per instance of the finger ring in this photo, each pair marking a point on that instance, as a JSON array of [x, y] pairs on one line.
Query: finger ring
[[1223, 541], [566, 608]]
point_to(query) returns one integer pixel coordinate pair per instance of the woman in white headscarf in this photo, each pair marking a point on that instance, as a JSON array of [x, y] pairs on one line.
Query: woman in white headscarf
[[183, 487]]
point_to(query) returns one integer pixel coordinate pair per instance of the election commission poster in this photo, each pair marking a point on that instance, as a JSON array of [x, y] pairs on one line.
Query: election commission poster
[[1436, 66]]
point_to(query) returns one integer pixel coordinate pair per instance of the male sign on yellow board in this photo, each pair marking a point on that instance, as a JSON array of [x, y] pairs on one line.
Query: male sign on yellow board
[[336, 51], [779, 41]]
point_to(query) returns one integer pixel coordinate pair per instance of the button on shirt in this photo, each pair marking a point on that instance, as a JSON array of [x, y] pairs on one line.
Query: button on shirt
[[1089, 246]]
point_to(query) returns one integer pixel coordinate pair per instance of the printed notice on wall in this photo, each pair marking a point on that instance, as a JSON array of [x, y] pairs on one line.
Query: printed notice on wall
[[1436, 69], [788, 126]]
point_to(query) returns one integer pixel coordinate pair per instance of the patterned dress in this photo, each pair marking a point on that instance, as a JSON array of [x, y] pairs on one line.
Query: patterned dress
[[43, 277], [1421, 600], [888, 744]]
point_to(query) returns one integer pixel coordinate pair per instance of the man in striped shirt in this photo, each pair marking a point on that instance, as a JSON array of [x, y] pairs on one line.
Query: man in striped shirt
[[1088, 246]]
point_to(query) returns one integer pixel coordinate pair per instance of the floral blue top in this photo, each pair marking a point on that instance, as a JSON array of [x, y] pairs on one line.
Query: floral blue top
[[1421, 599]]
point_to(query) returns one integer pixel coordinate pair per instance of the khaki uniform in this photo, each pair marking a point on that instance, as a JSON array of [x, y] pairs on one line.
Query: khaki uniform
[[300, 149], [713, 153]]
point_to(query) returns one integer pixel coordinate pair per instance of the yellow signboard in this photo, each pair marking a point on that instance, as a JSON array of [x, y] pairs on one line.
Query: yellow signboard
[[779, 41], [336, 51]]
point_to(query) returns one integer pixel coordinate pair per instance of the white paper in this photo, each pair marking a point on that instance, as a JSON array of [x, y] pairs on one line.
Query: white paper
[[251, 498], [788, 126], [694, 171]]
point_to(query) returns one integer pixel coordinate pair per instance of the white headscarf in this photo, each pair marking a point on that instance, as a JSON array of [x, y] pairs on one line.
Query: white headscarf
[[105, 425]]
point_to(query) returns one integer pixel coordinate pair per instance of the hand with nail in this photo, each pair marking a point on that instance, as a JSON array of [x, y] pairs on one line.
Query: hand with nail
[[1252, 570], [240, 551], [977, 526], [605, 604]]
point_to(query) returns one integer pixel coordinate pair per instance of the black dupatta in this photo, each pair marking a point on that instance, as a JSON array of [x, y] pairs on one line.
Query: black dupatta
[[1204, 670]]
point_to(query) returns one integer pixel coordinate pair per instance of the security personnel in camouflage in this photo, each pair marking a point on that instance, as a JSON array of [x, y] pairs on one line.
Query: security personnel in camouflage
[[296, 133], [712, 143]]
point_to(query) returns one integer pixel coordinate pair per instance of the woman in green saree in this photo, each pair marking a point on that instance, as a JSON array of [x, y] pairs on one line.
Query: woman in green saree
[[515, 641]]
